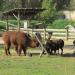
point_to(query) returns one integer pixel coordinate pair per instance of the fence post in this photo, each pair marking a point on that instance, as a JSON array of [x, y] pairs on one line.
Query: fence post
[[50, 34], [44, 35], [67, 33], [7, 28], [18, 21]]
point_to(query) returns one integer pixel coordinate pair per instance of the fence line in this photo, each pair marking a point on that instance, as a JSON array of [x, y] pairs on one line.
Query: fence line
[[57, 33]]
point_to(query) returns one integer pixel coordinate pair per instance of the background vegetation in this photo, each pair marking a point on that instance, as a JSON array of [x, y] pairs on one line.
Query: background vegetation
[[53, 65], [48, 17]]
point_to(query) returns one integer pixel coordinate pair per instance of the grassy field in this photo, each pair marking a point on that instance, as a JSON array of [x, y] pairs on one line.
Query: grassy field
[[24, 65]]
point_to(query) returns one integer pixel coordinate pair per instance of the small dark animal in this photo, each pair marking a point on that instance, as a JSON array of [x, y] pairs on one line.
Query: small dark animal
[[54, 45], [74, 42], [20, 40]]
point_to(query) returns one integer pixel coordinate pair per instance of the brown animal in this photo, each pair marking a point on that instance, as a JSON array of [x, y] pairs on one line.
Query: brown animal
[[20, 40]]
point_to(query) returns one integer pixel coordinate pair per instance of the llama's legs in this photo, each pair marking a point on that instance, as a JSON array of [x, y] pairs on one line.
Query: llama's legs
[[7, 47], [24, 51], [16, 49], [19, 50]]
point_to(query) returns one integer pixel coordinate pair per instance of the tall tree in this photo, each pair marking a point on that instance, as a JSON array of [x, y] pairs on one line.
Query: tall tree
[[52, 7], [62, 4], [71, 5], [1, 5], [9, 4], [31, 3], [50, 11]]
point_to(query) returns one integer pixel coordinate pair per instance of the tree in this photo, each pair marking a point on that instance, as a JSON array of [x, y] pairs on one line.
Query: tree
[[71, 5], [50, 12], [31, 3], [52, 9], [1, 5], [61, 4], [10, 4]]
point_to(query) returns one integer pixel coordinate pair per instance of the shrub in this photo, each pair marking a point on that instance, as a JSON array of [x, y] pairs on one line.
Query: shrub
[[14, 22], [60, 24], [2, 25]]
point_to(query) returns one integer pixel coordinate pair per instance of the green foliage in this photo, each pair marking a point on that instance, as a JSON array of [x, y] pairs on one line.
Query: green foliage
[[62, 4], [48, 16], [50, 11], [10, 4], [1, 5], [60, 24], [33, 22], [71, 5], [52, 6], [15, 22], [2, 25]]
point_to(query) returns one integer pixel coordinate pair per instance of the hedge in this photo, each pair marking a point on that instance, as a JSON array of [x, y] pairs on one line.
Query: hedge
[[60, 24]]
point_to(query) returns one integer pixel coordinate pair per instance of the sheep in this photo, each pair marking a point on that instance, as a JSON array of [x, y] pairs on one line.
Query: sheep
[[54, 45]]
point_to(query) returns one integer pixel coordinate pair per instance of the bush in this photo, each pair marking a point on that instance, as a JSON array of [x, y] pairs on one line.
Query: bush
[[60, 24], [14, 22], [2, 25]]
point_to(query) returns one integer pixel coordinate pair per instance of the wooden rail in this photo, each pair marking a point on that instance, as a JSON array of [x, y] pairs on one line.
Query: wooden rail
[[57, 33]]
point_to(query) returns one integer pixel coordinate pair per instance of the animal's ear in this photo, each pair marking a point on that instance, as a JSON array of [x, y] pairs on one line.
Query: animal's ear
[[29, 35]]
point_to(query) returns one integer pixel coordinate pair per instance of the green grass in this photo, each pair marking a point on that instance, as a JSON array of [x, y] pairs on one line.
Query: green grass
[[24, 65]]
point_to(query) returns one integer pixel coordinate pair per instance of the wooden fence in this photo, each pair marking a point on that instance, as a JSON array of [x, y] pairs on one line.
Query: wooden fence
[[57, 33]]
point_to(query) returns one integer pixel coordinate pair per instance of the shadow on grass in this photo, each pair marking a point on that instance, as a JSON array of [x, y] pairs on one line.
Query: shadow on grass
[[64, 55], [69, 54]]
